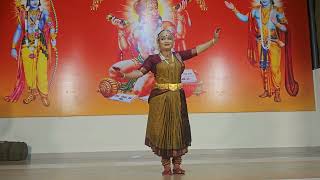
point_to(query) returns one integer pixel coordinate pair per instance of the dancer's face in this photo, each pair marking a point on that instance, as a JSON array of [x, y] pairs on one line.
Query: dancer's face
[[165, 41]]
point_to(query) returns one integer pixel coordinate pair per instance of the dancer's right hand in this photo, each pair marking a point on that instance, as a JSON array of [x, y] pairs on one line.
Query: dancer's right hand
[[14, 54]]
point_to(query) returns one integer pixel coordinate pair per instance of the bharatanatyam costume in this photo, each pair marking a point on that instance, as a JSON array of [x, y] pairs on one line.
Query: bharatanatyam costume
[[168, 129]]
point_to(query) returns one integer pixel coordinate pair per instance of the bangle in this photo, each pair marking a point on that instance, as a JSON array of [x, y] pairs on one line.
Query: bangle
[[13, 46]]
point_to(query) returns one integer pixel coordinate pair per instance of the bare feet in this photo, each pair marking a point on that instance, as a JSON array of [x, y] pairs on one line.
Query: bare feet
[[178, 170]]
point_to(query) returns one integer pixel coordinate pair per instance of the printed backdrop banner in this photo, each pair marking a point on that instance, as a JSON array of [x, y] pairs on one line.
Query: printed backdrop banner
[[56, 55]]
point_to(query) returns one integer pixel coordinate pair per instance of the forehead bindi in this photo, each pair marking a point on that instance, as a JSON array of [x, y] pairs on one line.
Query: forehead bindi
[[166, 35]]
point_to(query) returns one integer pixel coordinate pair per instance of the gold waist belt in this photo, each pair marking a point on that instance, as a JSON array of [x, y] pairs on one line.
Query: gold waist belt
[[169, 86]]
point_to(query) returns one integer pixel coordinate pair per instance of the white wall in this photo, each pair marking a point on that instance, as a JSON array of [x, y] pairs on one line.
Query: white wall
[[209, 131]]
